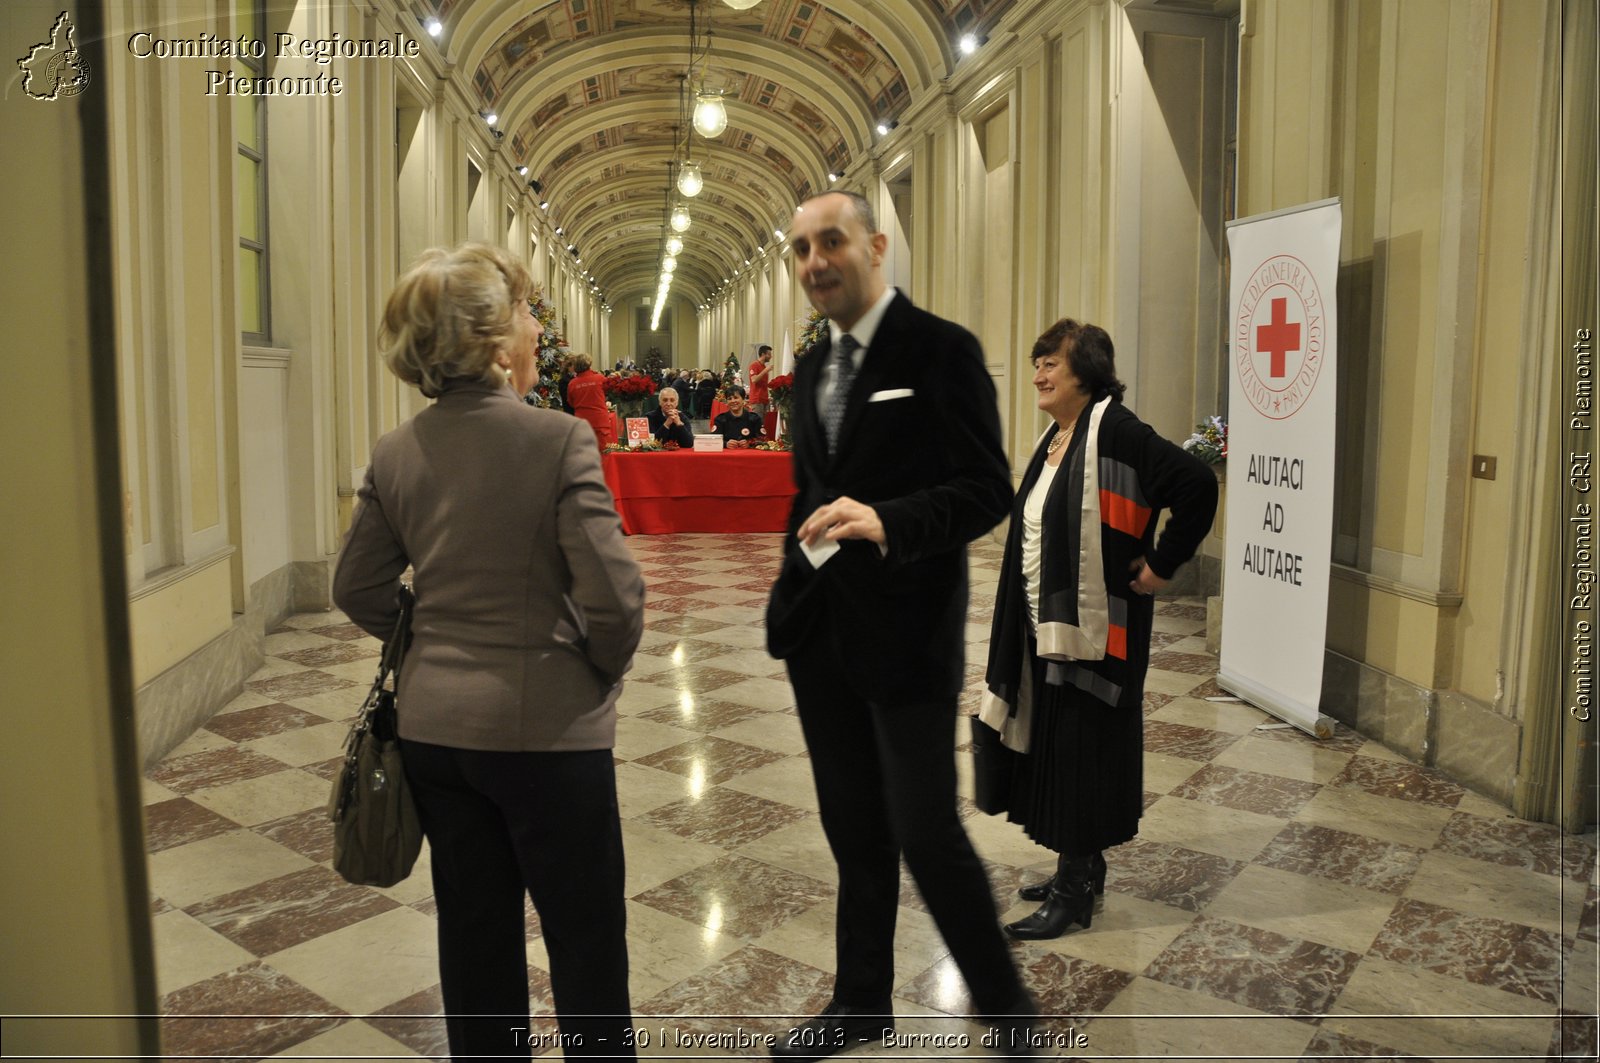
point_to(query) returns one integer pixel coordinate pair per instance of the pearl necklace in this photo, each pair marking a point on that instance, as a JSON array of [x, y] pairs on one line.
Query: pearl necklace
[[1059, 441]]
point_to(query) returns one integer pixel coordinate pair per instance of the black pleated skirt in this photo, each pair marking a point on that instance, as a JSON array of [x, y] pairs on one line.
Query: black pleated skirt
[[1080, 787]]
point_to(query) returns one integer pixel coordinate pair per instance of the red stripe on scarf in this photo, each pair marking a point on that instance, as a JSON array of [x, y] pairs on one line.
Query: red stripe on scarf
[[1123, 514]]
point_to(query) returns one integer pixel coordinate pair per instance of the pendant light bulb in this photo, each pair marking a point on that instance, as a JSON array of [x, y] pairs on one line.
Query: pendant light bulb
[[680, 219], [674, 245], [741, 5], [710, 116], [689, 180]]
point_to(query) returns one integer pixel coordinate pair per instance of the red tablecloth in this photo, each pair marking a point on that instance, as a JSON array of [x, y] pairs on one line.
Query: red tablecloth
[[680, 491]]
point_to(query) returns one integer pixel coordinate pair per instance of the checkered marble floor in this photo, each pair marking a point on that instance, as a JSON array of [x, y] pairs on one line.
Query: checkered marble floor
[[1286, 898]]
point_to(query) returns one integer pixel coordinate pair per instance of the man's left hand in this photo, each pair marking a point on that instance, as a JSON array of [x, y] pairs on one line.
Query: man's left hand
[[843, 518]]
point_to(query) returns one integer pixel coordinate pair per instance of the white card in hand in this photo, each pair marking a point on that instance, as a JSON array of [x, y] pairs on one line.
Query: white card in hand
[[819, 554]]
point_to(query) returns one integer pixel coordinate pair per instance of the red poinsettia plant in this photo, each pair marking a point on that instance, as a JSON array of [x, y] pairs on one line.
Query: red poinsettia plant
[[781, 387], [623, 388]]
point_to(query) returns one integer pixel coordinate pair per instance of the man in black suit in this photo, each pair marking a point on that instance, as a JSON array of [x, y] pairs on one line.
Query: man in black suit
[[898, 465]]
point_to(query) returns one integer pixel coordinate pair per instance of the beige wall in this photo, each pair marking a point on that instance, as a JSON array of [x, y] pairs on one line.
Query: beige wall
[[73, 900]]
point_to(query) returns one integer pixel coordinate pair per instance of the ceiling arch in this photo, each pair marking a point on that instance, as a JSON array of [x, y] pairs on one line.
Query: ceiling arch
[[589, 97]]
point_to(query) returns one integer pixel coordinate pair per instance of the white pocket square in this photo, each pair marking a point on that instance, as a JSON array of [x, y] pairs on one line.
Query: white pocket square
[[893, 393]]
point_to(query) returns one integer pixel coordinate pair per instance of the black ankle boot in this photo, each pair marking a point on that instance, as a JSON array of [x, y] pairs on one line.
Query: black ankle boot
[[1040, 891], [1071, 901]]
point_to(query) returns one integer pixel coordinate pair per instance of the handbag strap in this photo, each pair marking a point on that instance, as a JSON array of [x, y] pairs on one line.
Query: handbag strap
[[394, 655]]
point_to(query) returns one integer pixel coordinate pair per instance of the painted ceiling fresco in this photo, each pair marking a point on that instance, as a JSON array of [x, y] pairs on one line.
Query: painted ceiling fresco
[[586, 152]]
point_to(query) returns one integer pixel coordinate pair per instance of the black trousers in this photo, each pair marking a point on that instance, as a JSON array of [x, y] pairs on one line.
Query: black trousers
[[500, 825], [886, 786]]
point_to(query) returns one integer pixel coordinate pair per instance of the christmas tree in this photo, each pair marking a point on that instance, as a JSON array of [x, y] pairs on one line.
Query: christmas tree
[[552, 348], [730, 375], [813, 332]]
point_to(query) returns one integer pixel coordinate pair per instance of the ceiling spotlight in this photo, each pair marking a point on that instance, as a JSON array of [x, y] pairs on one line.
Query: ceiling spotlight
[[886, 125], [741, 5], [535, 184], [674, 245], [970, 42], [491, 118], [523, 170], [833, 176], [544, 204], [680, 218], [560, 231], [572, 247], [778, 233], [710, 116], [689, 180], [434, 27]]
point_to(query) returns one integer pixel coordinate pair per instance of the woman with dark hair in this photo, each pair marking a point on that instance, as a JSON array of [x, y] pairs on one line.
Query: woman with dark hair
[[1070, 641]]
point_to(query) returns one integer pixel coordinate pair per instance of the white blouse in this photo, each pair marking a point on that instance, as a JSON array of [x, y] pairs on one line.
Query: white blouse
[[1032, 524]]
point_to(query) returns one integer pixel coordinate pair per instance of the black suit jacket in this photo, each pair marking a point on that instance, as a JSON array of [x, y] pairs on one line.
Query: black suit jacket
[[920, 443]]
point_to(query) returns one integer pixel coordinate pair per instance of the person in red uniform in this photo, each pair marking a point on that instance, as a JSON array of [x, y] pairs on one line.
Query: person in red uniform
[[586, 396], [760, 370]]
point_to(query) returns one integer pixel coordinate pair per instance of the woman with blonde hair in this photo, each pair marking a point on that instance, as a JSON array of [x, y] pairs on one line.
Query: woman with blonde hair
[[528, 610]]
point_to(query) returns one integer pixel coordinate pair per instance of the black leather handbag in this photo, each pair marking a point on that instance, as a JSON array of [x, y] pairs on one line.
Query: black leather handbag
[[376, 832]]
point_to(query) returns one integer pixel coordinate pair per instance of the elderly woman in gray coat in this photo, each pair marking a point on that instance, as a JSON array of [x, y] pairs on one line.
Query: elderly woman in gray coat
[[528, 610]]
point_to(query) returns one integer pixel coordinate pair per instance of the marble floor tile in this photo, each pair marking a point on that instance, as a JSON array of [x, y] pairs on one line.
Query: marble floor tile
[[788, 780], [266, 797], [1491, 952], [1128, 932], [637, 738], [1575, 1036], [1187, 663], [726, 818], [1512, 842], [809, 938], [1151, 1019], [270, 719], [1302, 761], [732, 1006], [762, 693], [1248, 791], [308, 833], [1299, 906], [1354, 859], [800, 847], [1168, 874], [686, 625], [736, 895], [214, 767], [313, 620], [748, 638], [701, 713], [642, 695], [345, 632], [178, 821], [1224, 718], [1228, 832], [663, 950], [302, 748], [1163, 771], [654, 856], [1384, 818], [1330, 1043], [333, 652], [367, 965], [352, 1039], [416, 1022], [1495, 891], [1257, 968], [188, 951], [286, 911], [248, 1012], [641, 789], [299, 684], [1182, 740], [1421, 1012], [287, 640], [712, 759], [188, 874], [1398, 780], [779, 731]]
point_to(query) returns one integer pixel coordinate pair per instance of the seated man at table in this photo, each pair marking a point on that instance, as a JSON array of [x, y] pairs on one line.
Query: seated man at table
[[740, 426], [667, 424]]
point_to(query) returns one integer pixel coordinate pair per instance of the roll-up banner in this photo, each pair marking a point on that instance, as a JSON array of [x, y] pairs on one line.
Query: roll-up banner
[[1281, 411]]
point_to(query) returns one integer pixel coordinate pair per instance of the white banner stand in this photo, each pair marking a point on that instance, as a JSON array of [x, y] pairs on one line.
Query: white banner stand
[[1281, 422]]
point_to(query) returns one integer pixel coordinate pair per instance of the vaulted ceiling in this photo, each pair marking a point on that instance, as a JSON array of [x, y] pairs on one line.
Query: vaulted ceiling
[[587, 94]]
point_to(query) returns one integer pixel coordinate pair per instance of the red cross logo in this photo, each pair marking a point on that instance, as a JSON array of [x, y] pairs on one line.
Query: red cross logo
[[1278, 338]]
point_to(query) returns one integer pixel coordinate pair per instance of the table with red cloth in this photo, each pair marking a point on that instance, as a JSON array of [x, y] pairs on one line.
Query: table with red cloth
[[660, 492]]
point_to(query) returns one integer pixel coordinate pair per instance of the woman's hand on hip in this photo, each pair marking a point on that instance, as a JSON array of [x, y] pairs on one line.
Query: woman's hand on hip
[[1144, 581]]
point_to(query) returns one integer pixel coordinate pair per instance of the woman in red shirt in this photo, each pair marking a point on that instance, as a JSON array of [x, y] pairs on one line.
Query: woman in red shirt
[[587, 397]]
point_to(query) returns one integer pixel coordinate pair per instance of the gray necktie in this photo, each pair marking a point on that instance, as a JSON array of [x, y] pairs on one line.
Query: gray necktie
[[844, 374]]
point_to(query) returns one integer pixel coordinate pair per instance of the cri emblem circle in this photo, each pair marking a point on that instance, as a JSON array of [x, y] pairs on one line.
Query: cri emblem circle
[[1278, 334]]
